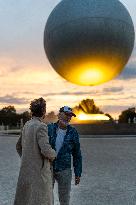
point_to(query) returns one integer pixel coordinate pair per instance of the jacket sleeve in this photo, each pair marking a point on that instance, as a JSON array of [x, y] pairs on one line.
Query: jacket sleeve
[[43, 142], [77, 157], [19, 145]]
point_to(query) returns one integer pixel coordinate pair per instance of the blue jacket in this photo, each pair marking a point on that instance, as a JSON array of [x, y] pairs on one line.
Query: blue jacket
[[70, 147]]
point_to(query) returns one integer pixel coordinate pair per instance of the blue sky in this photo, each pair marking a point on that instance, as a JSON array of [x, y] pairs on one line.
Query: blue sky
[[25, 72]]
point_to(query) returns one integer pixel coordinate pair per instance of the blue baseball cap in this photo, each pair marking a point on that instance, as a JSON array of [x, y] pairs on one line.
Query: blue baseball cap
[[67, 110]]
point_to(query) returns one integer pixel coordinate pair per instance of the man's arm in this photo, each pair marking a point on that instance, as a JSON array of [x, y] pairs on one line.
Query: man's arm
[[43, 142], [19, 145], [50, 131], [77, 158]]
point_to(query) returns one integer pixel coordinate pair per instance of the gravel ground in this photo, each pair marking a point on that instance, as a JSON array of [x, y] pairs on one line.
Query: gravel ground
[[109, 172]]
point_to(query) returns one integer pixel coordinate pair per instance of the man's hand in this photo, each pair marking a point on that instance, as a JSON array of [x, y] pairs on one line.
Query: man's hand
[[77, 180], [51, 160]]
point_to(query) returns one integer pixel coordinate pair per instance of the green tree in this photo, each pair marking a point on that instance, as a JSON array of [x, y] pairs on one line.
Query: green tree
[[8, 116], [88, 106], [9, 109], [50, 117], [126, 115], [25, 116]]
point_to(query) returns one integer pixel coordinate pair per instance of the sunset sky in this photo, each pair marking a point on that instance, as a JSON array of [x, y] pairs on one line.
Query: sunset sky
[[25, 72]]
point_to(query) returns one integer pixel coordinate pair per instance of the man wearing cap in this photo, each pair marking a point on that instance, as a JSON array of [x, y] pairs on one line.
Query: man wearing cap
[[64, 139]]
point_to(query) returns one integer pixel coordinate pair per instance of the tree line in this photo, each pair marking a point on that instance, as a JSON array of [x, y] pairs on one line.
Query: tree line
[[9, 116]]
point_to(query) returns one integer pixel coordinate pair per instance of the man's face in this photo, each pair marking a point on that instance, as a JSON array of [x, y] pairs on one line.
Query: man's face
[[65, 117]]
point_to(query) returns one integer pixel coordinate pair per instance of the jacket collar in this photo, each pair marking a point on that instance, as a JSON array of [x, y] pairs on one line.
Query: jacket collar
[[56, 126], [55, 135]]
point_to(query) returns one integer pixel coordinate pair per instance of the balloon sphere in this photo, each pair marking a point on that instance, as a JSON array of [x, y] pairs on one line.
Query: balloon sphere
[[88, 42]]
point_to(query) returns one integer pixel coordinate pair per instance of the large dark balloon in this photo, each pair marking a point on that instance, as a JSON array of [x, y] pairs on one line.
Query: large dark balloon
[[89, 42]]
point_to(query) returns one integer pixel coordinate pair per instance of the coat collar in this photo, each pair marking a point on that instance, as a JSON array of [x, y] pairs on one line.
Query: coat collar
[[37, 118]]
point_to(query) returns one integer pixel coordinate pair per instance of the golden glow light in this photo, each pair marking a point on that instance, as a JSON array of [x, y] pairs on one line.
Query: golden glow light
[[91, 72], [94, 117]]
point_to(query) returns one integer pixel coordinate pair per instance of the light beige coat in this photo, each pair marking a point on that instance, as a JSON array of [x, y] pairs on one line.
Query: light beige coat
[[34, 185]]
